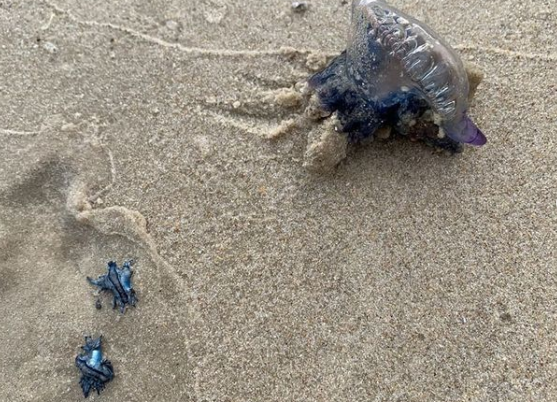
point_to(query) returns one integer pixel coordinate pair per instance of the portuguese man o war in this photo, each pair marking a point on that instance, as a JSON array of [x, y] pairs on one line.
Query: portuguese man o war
[[96, 371], [396, 72]]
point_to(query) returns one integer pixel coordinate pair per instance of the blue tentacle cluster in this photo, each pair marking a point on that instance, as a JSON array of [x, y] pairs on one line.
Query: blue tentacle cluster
[[96, 371], [118, 282]]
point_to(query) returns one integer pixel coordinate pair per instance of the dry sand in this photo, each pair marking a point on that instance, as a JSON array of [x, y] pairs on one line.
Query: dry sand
[[138, 130]]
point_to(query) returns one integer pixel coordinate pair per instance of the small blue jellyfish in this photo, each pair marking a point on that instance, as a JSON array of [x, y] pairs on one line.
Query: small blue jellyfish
[[396, 71], [117, 281], [96, 371]]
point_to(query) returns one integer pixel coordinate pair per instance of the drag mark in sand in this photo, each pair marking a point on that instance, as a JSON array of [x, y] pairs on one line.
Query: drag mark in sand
[[267, 114], [4, 131], [265, 131], [282, 51]]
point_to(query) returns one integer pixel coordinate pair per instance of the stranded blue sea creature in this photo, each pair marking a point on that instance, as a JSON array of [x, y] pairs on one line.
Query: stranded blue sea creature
[[396, 71], [117, 281], [96, 371]]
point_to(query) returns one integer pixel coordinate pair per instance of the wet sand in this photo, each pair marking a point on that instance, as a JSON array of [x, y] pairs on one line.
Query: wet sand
[[140, 130]]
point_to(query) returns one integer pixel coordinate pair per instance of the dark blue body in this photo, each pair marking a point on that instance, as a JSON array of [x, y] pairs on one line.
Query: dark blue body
[[118, 282], [96, 371], [360, 117]]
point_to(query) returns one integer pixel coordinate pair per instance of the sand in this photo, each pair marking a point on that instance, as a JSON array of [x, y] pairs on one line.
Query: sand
[[141, 130]]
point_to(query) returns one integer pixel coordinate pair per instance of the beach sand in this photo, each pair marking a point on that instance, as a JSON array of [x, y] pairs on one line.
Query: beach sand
[[140, 130]]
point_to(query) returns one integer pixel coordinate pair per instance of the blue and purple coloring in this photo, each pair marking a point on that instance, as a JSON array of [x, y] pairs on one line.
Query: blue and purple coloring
[[96, 371], [118, 282], [397, 72]]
